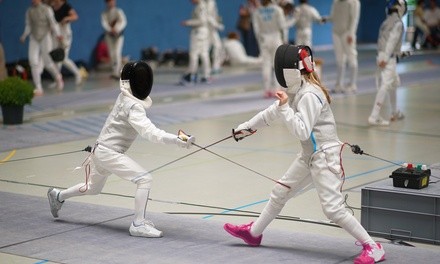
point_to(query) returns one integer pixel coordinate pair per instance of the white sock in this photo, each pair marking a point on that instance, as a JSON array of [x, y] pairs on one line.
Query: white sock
[[140, 205], [266, 217], [354, 228], [378, 102]]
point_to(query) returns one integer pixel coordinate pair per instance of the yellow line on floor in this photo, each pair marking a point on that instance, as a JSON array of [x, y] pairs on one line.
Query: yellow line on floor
[[9, 156]]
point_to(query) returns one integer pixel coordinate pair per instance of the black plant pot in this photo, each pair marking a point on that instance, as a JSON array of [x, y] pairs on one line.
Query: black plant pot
[[12, 114]]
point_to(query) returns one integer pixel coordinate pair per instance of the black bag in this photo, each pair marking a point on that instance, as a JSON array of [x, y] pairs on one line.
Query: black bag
[[57, 54]]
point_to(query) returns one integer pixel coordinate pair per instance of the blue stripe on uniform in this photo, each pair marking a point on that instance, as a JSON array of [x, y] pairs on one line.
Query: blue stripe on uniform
[[312, 138]]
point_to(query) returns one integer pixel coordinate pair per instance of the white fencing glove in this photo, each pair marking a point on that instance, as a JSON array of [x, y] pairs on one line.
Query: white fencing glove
[[184, 140], [242, 131]]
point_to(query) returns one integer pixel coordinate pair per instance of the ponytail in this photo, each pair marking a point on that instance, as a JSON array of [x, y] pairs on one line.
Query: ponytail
[[313, 78]]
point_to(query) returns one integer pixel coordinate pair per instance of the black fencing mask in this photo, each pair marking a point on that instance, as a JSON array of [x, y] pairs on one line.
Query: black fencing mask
[[140, 76]]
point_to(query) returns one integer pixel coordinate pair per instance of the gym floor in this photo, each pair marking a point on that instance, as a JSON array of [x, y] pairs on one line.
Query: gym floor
[[46, 149]]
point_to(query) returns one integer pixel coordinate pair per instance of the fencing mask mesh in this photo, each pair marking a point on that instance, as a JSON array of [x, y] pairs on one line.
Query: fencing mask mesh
[[140, 75]]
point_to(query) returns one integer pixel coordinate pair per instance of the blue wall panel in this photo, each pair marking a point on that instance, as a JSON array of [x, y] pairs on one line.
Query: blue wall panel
[[157, 23]]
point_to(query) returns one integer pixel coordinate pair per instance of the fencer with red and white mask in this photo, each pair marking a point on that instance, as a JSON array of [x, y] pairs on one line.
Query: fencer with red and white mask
[[126, 121], [304, 108]]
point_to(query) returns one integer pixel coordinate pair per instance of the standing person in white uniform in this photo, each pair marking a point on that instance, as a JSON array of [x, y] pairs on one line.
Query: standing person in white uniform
[[389, 44], [269, 25], [345, 17], [113, 21], [305, 16], [215, 25], [198, 44], [304, 108], [65, 15], [40, 21], [126, 121], [235, 52]]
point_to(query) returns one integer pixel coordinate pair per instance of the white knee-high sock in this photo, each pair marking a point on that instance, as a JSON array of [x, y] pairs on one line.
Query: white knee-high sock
[[350, 224], [268, 214], [393, 101], [378, 102], [140, 204], [76, 190]]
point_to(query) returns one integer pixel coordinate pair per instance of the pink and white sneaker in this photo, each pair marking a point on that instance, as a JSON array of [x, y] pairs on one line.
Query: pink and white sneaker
[[243, 232], [370, 254]]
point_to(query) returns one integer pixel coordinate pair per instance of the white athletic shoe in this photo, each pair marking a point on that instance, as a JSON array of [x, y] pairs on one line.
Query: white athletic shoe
[[351, 89], [145, 229], [38, 92], [397, 116], [60, 84], [53, 85], [55, 205], [338, 89], [78, 80], [377, 121]]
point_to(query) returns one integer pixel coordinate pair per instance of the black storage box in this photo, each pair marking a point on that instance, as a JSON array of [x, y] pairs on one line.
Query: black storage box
[[412, 178]]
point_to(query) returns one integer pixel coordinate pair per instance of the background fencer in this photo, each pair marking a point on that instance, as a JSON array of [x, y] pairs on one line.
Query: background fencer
[[39, 23], [215, 25], [304, 16], [269, 25], [126, 121], [65, 15], [235, 52], [345, 17], [389, 44], [304, 108], [113, 21], [198, 44]]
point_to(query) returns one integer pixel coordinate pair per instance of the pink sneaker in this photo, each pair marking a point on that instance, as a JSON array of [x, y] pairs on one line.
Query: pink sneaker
[[370, 254], [243, 232]]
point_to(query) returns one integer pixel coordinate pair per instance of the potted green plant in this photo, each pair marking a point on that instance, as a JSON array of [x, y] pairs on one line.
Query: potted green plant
[[15, 93]]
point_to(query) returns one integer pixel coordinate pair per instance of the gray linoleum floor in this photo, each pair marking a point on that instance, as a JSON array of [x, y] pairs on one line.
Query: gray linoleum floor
[[45, 150]]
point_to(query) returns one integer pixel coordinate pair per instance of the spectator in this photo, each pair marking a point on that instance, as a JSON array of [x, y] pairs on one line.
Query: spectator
[[432, 18], [65, 15], [215, 25], [345, 17], [305, 16], [269, 25], [420, 27], [199, 44], [40, 21], [113, 21], [389, 44], [235, 52], [244, 25]]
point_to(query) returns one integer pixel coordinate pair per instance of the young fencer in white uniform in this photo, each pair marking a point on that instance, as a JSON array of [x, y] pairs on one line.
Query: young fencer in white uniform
[[198, 44], [127, 120], [40, 22], [304, 16], [345, 17], [389, 44], [304, 108], [269, 25]]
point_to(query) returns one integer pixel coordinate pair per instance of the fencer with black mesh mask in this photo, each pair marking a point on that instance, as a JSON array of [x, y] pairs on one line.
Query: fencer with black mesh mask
[[126, 121]]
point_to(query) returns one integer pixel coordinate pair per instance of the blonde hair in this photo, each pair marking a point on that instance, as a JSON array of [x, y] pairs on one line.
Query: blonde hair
[[312, 77]]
